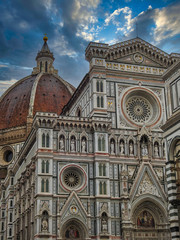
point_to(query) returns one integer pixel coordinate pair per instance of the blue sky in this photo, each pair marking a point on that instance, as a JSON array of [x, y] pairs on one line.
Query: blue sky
[[71, 24]]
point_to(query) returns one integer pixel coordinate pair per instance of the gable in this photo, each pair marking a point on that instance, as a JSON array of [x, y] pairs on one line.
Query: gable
[[73, 208], [147, 182]]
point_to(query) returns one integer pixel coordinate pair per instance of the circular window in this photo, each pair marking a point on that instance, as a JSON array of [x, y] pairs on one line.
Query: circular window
[[138, 109], [73, 177], [8, 155], [141, 106]]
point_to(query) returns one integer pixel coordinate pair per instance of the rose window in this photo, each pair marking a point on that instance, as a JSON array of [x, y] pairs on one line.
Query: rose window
[[138, 109], [71, 179]]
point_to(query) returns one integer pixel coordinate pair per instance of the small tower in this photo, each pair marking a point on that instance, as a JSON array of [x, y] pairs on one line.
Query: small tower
[[44, 60]]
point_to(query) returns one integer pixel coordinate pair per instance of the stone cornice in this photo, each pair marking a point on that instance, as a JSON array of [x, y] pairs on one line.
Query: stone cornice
[[125, 48]]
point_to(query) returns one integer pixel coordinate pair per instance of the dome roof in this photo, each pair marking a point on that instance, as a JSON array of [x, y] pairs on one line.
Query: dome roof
[[42, 92]]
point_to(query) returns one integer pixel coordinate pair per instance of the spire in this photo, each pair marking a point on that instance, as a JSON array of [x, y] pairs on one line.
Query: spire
[[44, 59], [45, 51]]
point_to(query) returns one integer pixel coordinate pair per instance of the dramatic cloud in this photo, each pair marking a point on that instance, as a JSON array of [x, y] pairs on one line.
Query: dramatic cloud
[[167, 21], [71, 24]]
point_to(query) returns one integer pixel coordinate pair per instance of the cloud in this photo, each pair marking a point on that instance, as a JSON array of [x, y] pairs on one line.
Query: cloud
[[4, 85], [167, 22], [112, 17]]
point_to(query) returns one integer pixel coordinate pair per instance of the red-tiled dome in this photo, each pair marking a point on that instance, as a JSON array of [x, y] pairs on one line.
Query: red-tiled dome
[[36, 93], [43, 91]]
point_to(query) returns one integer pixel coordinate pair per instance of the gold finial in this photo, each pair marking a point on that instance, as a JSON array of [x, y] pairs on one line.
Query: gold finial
[[45, 38]]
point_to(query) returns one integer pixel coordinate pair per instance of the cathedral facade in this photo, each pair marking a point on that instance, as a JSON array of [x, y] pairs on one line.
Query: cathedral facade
[[96, 162]]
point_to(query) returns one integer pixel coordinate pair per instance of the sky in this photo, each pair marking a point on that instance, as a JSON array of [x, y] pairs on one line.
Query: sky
[[71, 24]]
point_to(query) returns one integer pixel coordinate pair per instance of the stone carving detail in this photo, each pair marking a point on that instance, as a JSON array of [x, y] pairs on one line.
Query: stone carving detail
[[147, 187], [112, 146], [83, 145], [73, 148], [134, 68], [144, 147], [104, 222], [156, 150], [159, 172], [61, 143], [138, 58], [121, 147], [131, 170], [138, 109], [131, 147]]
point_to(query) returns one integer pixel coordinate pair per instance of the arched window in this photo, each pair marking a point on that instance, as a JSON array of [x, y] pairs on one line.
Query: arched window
[[43, 140], [98, 101], [79, 113], [99, 144], [104, 188], [100, 169], [102, 102], [103, 144], [46, 66], [104, 169], [101, 86], [47, 185], [47, 166], [43, 166], [2, 226], [47, 140], [97, 86], [10, 232], [10, 217], [42, 185], [40, 66], [100, 188]]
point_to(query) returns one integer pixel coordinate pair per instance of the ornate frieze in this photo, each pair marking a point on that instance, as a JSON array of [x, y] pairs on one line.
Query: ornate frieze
[[135, 68]]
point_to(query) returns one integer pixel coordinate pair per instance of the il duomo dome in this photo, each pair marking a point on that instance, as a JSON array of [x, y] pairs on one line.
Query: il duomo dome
[[42, 91], [97, 162]]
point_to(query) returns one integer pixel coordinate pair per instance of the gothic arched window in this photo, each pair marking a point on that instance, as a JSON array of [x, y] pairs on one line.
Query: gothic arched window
[[46, 66], [100, 188], [97, 86], [99, 144], [104, 169], [101, 86], [98, 101], [43, 140], [103, 144], [47, 140], [47, 166], [40, 66], [47, 185], [102, 102], [43, 166], [42, 185]]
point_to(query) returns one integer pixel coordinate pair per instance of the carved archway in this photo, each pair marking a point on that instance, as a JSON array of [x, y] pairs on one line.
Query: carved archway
[[73, 230], [149, 221]]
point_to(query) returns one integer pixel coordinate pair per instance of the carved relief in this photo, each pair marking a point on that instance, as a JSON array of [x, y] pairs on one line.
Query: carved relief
[[147, 187]]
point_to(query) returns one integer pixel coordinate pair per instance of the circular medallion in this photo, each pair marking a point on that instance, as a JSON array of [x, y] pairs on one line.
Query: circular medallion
[[73, 177], [138, 58], [73, 209]]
